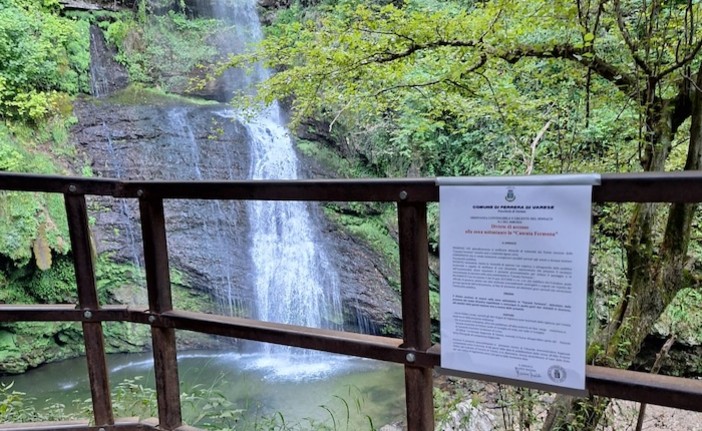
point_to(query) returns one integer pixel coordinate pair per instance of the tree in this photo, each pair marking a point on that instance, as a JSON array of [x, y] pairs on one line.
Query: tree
[[454, 68]]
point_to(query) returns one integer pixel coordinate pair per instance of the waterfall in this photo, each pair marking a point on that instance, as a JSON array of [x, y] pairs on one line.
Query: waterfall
[[124, 209], [294, 281], [106, 74], [215, 216]]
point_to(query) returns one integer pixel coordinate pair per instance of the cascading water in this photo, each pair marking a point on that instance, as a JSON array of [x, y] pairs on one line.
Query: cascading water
[[106, 75], [294, 282], [98, 82], [215, 216], [126, 223]]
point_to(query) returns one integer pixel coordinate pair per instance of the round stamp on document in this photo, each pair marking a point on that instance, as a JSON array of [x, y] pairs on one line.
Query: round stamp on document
[[557, 374]]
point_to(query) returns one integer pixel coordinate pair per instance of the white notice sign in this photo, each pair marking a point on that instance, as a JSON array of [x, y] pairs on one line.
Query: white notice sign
[[514, 270]]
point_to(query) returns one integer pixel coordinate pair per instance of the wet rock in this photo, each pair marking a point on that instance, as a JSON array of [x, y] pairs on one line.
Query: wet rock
[[167, 140], [106, 74], [139, 137]]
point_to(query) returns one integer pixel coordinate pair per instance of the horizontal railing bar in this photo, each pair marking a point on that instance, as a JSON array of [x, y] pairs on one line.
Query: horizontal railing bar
[[679, 187], [629, 385], [155, 423], [125, 424], [59, 184], [362, 190], [641, 187], [636, 187], [370, 346], [622, 384], [346, 343], [668, 391], [69, 313]]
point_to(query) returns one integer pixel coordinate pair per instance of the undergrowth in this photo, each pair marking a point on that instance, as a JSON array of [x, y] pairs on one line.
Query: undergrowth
[[202, 406]]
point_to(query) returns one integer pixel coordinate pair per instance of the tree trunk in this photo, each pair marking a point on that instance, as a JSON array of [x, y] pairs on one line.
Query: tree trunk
[[655, 275]]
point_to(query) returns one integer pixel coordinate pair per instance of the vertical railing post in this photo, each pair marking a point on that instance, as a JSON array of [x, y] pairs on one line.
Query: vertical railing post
[[158, 283], [414, 279], [77, 214]]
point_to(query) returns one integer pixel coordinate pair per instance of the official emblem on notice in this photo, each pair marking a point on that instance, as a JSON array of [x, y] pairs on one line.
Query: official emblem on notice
[[557, 374], [510, 195]]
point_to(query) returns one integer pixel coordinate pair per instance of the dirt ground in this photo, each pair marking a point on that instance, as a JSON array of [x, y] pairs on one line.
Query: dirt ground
[[625, 414], [501, 403]]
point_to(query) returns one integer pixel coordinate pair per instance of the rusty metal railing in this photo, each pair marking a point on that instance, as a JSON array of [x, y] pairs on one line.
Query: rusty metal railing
[[415, 350]]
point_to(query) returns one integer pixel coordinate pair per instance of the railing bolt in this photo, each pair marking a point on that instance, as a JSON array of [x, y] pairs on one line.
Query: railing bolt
[[101, 429], [152, 319], [87, 314], [410, 357], [140, 192], [403, 195], [72, 188]]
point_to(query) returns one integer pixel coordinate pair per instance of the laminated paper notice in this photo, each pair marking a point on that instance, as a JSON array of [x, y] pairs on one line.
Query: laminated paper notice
[[514, 270]]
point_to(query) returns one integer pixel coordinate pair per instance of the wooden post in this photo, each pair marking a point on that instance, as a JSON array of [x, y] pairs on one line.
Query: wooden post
[[414, 279], [158, 283], [77, 214]]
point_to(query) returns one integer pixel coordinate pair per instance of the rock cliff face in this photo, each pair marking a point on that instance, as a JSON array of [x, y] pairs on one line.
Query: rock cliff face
[[159, 139], [107, 74], [135, 137]]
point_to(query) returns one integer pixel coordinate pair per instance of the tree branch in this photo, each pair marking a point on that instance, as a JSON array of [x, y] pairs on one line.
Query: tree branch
[[629, 42], [625, 82], [387, 57], [680, 63]]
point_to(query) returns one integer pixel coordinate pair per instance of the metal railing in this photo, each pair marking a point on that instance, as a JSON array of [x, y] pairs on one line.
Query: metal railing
[[415, 350]]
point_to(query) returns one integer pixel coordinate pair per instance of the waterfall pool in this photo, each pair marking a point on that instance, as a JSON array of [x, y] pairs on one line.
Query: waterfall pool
[[329, 389]]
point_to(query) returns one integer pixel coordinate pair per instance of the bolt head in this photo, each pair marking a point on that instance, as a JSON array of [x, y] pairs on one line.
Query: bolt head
[[403, 195], [87, 314], [410, 357], [152, 319], [72, 188], [140, 192]]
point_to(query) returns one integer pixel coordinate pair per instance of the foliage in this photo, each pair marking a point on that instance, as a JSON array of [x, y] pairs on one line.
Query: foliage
[[132, 398], [16, 407], [163, 50], [30, 344], [29, 217], [203, 407], [445, 402], [683, 318], [33, 220], [42, 55], [344, 167], [371, 225], [28, 284], [426, 88]]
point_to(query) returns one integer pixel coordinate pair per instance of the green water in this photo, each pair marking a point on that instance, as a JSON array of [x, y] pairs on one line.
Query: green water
[[324, 389]]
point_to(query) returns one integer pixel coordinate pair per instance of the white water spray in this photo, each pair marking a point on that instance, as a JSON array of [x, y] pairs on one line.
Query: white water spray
[[294, 282]]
